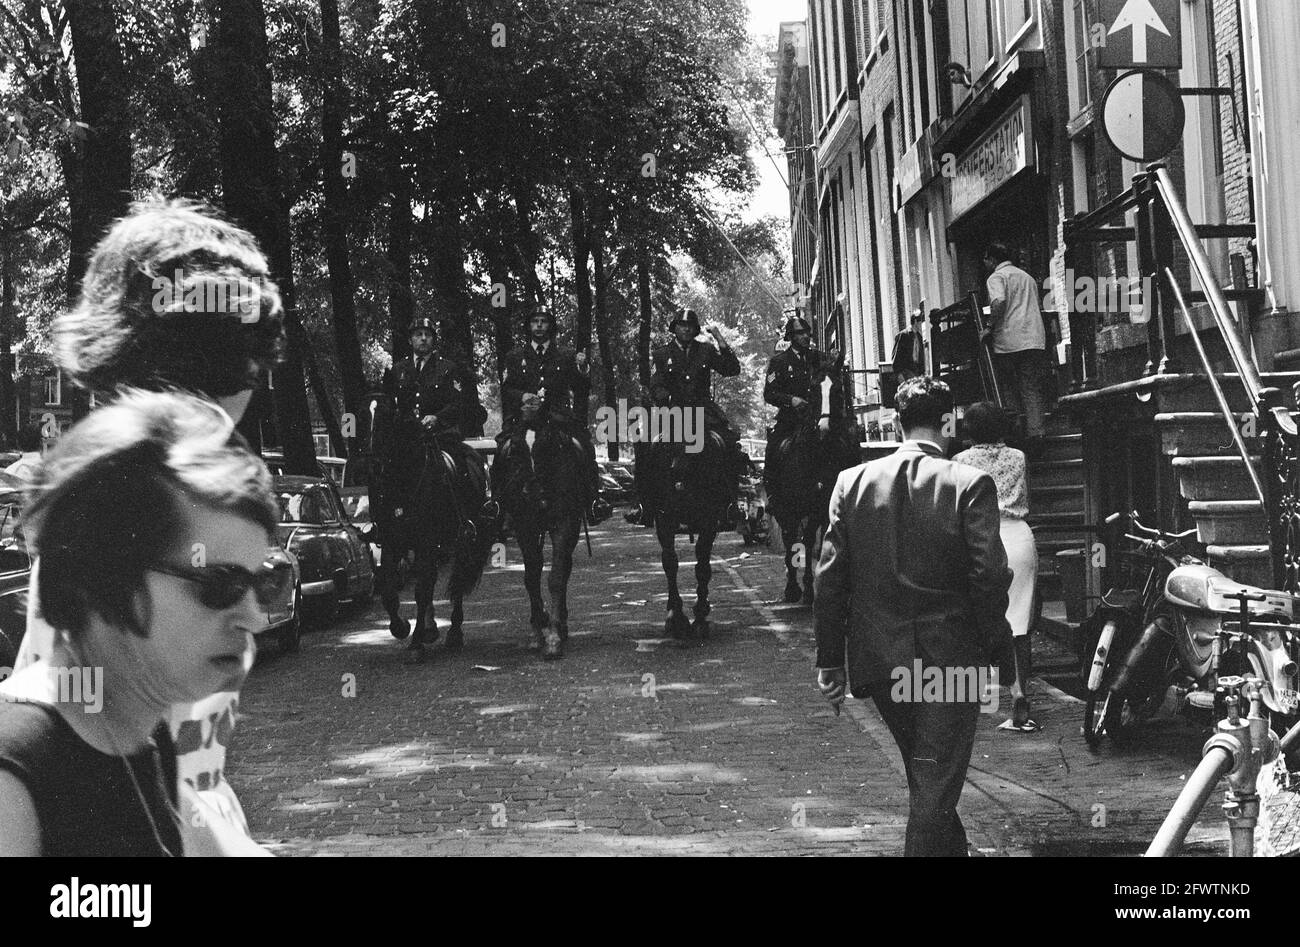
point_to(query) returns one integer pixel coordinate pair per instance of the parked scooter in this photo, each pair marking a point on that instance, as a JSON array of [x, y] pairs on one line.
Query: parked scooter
[[1185, 627]]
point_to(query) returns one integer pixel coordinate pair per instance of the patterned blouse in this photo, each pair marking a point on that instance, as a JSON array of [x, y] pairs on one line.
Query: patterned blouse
[[1006, 466]]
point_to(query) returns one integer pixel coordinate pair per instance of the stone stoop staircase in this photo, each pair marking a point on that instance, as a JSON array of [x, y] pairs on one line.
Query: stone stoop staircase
[[1056, 507], [1212, 476]]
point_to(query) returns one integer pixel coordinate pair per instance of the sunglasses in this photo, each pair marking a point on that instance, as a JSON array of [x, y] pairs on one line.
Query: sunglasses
[[221, 587]]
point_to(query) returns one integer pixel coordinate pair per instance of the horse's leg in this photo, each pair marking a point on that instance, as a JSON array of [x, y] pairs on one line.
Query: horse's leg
[[676, 624], [703, 573], [456, 633], [391, 590], [811, 532], [426, 577], [789, 532], [563, 538], [530, 546]]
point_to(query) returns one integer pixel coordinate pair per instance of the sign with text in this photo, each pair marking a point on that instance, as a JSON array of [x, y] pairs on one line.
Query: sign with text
[[1141, 34], [1002, 153]]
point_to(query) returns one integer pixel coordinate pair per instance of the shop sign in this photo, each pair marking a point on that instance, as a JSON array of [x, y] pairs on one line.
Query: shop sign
[[1002, 153]]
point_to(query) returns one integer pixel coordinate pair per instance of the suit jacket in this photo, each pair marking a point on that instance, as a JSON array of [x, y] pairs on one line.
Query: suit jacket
[[556, 373], [789, 376], [904, 359], [912, 567], [681, 376], [443, 388]]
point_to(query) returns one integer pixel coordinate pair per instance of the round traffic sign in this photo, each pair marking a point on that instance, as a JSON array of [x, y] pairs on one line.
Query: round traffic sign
[[1142, 114]]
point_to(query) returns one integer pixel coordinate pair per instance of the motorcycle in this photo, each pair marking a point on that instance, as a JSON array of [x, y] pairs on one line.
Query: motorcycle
[[1188, 625]]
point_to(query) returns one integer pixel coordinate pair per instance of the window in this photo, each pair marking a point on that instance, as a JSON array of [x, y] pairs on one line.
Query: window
[[1080, 54], [54, 389], [922, 66], [1018, 13], [991, 27]]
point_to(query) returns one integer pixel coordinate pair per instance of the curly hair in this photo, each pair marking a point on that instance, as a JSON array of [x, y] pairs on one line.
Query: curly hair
[[173, 296], [923, 402], [107, 501]]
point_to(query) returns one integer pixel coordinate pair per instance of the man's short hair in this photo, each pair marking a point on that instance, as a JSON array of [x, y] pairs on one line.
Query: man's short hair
[[30, 438], [173, 296], [923, 402], [107, 501], [986, 423], [998, 251]]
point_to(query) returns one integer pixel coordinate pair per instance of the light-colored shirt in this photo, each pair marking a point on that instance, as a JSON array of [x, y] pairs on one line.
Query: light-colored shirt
[[1006, 466], [1021, 325]]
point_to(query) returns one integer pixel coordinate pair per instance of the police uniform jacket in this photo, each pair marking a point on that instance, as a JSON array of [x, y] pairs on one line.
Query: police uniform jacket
[[681, 375], [442, 388], [555, 372], [790, 376]]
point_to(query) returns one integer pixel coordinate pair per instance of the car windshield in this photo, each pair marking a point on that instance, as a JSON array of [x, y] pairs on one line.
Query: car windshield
[[311, 507]]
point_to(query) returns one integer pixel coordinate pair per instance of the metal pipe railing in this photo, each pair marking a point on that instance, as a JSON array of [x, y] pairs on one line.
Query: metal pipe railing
[[1217, 763], [1186, 231], [1218, 391]]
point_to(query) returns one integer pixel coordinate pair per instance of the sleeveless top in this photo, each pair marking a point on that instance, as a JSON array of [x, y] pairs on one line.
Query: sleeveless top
[[84, 799]]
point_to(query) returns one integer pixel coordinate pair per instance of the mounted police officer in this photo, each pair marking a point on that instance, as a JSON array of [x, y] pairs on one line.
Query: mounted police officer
[[683, 373], [789, 389], [443, 395], [544, 381]]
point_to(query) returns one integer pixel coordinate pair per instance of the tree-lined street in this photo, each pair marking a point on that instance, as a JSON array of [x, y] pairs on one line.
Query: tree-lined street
[[722, 746]]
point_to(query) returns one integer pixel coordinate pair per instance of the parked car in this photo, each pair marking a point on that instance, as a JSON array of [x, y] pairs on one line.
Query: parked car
[[283, 618], [616, 483], [334, 558]]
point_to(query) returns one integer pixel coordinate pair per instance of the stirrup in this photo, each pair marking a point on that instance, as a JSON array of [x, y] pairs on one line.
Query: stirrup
[[491, 509]]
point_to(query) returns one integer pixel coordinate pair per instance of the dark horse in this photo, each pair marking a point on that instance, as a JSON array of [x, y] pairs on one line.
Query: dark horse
[[693, 491], [811, 460], [543, 490], [416, 509]]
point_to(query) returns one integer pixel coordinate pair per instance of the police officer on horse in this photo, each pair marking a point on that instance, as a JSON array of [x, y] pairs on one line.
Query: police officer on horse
[[544, 381], [789, 388], [682, 378], [444, 396]]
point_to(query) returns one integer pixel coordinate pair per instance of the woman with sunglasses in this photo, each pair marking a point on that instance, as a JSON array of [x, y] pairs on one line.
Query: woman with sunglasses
[[154, 524], [174, 297]]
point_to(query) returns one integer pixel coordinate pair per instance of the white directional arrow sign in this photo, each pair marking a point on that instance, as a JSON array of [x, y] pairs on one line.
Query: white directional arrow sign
[[1145, 34], [1139, 15]]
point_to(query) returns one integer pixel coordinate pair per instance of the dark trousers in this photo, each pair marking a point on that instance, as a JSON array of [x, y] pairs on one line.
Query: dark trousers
[[1022, 376], [935, 740]]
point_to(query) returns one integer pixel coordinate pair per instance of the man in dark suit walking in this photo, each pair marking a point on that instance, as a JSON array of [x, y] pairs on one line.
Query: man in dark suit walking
[[912, 583], [909, 350]]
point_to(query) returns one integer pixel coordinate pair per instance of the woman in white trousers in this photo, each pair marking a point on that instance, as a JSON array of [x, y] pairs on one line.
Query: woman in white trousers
[[987, 425]]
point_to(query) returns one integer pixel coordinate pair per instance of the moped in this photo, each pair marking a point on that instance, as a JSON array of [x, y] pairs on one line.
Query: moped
[[1186, 626]]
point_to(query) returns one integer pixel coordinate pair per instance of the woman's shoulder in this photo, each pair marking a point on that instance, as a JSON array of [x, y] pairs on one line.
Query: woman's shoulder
[[30, 732]]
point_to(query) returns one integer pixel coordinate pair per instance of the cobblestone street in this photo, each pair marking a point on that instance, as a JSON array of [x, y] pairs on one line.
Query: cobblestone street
[[719, 747]]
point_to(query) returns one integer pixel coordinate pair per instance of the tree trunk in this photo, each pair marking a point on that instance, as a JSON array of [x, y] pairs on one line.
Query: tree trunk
[[448, 257], [334, 227], [8, 410], [607, 371], [99, 189], [502, 316], [645, 325], [401, 300], [338, 447], [527, 246], [581, 278], [250, 183]]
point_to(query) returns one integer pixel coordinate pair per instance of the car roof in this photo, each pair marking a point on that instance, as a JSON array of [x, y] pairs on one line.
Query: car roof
[[296, 481]]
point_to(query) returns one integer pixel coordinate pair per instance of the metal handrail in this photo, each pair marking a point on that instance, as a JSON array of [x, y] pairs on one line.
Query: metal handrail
[[1218, 391], [1241, 360]]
